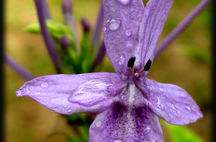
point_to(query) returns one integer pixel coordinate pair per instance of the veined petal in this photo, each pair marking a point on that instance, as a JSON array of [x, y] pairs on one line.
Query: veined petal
[[151, 27], [117, 124], [122, 19], [171, 102], [67, 94]]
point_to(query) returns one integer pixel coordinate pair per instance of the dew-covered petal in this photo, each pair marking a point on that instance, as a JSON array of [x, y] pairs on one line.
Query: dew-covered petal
[[171, 102], [118, 124], [151, 27], [121, 25], [67, 94]]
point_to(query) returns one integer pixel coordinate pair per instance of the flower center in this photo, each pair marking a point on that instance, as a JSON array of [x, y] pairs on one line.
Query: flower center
[[131, 62]]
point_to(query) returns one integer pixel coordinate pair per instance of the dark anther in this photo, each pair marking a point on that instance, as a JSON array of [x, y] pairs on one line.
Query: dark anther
[[148, 65], [131, 62]]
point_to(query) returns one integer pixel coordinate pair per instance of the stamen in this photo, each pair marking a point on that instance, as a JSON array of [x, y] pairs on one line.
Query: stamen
[[131, 62], [132, 70], [142, 71], [148, 65]]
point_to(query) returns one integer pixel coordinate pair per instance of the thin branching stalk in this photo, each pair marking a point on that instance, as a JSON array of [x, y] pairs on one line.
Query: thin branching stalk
[[67, 11], [46, 9], [50, 43], [100, 56], [18, 68], [181, 27], [98, 28]]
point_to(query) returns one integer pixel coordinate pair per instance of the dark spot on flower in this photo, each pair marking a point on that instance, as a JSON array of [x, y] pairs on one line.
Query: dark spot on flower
[[118, 110], [131, 62], [147, 65]]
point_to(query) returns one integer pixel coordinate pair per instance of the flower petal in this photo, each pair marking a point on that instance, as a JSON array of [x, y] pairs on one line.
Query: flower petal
[[171, 102], [154, 18], [122, 19], [67, 94], [117, 124]]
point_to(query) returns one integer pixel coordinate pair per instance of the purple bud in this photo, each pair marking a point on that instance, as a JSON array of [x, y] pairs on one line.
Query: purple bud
[[86, 25], [67, 6], [65, 42]]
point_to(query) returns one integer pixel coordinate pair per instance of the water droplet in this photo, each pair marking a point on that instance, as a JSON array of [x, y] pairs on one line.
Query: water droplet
[[147, 129], [188, 108], [27, 90], [128, 33], [158, 101], [129, 44], [44, 85], [124, 2], [69, 110], [180, 93], [121, 60], [114, 24], [117, 140], [18, 93], [79, 92], [98, 123], [161, 89], [104, 29], [151, 87], [37, 93]]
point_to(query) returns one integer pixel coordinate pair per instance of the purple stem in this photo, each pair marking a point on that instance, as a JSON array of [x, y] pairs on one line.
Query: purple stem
[[18, 68], [46, 9], [50, 44], [181, 27], [98, 28], [100, 56], [69, 19]]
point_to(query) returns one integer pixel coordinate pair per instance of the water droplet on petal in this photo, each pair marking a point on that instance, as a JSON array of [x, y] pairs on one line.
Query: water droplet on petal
[[44, 85], [37, 93], [69, 110], [158, 101], [121, 60], [104, 29], [114, 24], [188, 108], [19, 93], [129, 44], [161, 89], [151, 87], [117, 140], [180, 93], [98, 123], [27, 90], [124, 2], [128, 33], [147, 129]]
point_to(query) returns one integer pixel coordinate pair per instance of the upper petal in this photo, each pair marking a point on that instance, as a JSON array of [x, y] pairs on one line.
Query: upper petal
[[151, 27], [122, 19], [118, 124], [67, 94], [171, 102]]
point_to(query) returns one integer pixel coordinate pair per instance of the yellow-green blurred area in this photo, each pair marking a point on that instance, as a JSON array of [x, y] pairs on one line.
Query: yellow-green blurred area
[[185, 63]]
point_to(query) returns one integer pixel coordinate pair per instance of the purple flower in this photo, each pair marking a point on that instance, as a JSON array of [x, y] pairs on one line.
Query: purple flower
[[127, 103]]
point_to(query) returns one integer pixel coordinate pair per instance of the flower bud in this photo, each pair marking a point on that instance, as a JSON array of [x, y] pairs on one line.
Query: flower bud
[[86, 25], [65, 42], [67, 6]]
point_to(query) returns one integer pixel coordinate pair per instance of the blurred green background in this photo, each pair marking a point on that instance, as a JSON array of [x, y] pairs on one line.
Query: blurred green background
[[186, 63]]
